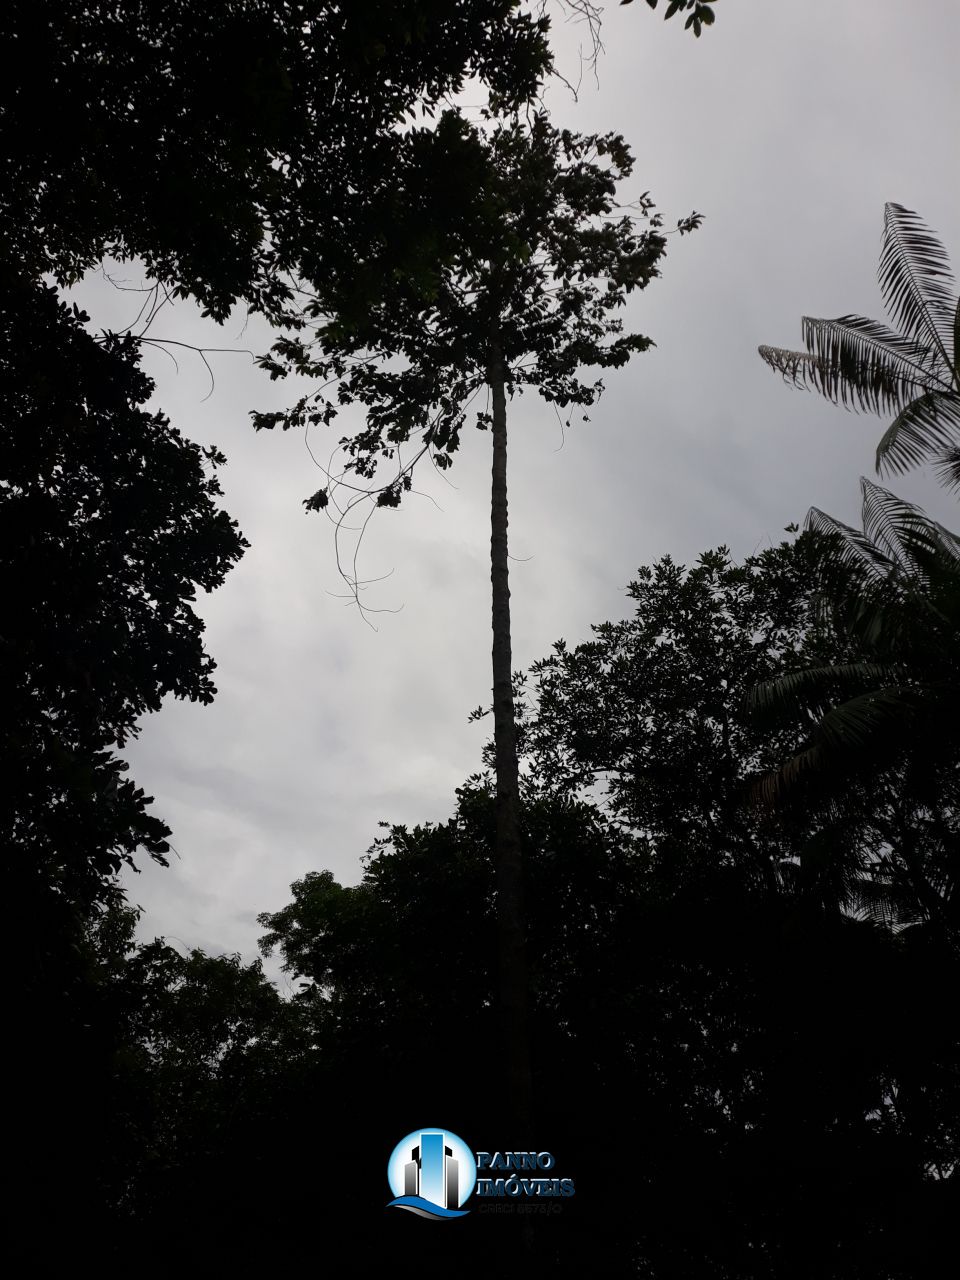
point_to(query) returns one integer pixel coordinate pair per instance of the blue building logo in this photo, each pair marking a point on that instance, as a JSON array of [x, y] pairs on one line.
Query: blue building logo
[[432, 1173]]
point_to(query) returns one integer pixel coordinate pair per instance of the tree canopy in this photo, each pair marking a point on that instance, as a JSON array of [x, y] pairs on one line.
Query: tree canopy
[[660, 711], [107, 115], [111, 111], [537, 260]]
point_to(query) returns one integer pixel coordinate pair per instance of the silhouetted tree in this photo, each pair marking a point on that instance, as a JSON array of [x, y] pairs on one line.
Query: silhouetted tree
[[543, 263], [660, 710], [109, 525], [108, 114], [891, 588]]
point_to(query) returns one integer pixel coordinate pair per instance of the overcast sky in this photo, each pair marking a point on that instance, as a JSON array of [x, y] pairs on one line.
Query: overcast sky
[[789, 125]]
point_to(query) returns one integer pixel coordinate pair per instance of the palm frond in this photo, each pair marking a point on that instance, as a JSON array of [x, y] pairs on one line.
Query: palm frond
[[916, 280], [772, 789], [928, 425], [885, 903], [878, 585], [844, 739], [885, 519], [853, 737], [846, 548], [921, 547], [868, 350], [812, 689], [858, 363], [897, 527], [861, 721], [898, 543], [947, 468]]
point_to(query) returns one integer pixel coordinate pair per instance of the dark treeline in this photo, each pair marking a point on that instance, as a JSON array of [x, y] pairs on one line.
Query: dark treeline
[[738, 811], [745, 1040]]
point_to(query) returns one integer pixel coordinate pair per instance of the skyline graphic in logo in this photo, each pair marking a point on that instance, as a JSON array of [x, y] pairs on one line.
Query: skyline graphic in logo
[[432, 1173]]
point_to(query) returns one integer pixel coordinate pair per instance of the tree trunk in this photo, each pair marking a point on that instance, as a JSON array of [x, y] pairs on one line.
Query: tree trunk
[[509, 865]]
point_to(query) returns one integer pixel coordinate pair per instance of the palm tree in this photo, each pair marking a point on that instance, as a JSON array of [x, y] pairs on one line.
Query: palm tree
[[885, 723], [891, 588], [911, 371], [892, 591]]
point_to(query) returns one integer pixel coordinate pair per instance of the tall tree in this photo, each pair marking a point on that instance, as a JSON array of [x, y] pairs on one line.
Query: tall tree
[[539, 259], [912, 371]]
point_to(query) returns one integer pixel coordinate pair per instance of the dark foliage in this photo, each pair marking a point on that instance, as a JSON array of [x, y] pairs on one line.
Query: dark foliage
[[109, 112], [750, 1075], [701, 14], [534, 257], [744, 1083], [108, 526]]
